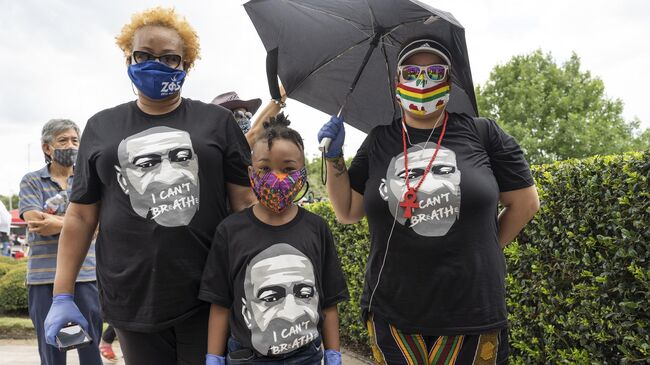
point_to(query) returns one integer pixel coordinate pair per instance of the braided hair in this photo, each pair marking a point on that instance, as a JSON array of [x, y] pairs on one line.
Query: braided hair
[[278, 128]]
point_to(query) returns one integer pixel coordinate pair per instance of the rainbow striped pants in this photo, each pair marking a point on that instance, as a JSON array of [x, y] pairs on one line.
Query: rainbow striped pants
[[390, 346]]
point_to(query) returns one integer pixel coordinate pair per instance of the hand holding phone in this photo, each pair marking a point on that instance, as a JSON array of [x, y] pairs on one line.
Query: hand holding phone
[[71, 337], [63, 312]]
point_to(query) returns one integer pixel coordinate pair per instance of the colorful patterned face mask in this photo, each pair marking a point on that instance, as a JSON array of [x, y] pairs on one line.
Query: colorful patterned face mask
[[277, 191], [422, 96]]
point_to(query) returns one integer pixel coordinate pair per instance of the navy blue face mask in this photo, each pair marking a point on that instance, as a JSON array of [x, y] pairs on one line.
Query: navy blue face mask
[[156, 80]]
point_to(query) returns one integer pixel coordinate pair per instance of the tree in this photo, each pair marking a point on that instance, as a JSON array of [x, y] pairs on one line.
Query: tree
[[557, 112], [8, 205]]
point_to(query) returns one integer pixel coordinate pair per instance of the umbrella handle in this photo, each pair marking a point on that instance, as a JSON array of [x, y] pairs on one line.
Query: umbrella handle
[[325, 144]]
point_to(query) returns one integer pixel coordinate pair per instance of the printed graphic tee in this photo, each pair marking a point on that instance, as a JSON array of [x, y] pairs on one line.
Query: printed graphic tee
[[444, 270], [274, 279], [161, 183]]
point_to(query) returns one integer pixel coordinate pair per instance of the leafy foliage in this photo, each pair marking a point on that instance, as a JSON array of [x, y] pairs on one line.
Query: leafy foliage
[[578, 277], [314, 174], [316, 186], [13, 292], [557, 112], [353, 247]]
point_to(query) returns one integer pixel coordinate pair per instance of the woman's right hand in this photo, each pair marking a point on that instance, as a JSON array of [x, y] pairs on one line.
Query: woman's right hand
[[211, 359], [62, 311], [334, 130]]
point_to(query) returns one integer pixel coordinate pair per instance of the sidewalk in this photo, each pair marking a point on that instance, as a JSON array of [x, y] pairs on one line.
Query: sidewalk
[[25, 352]]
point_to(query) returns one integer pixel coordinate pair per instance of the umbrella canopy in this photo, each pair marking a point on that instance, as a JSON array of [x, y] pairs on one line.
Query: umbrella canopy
[[321, 46]]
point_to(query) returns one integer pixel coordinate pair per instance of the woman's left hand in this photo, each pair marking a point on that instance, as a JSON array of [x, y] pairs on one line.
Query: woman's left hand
[[332, 357], [519, 208]]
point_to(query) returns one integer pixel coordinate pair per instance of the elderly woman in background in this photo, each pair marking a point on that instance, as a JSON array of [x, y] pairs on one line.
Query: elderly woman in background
[[43, 202], [156, 173]]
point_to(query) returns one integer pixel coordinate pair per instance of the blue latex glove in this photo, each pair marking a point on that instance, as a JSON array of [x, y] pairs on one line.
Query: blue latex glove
[[211, 359], [332, 357], [62, 312], [335, 130]]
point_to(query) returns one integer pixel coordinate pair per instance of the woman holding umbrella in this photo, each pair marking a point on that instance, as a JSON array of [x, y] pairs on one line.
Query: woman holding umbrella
[[430, 184], [156, 173]]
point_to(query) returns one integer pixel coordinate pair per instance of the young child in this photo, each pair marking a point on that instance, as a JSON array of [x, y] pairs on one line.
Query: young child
[[272, 273]]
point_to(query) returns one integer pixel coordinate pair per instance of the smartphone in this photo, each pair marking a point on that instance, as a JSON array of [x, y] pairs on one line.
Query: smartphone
[[71, 337]]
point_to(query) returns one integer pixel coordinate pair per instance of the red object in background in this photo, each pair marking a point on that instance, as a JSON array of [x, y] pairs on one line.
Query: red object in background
[[19, 255], [15, 218]]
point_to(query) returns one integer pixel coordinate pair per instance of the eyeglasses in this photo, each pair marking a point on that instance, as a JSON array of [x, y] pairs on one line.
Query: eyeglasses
[[170, 60], [433, 72]]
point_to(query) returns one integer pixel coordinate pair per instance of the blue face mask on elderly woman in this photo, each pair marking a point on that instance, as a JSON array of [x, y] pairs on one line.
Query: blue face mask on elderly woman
[[155, 79]]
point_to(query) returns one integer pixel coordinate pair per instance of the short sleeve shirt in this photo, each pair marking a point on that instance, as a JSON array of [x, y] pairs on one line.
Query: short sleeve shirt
[[444, 269], [161, 181], [40, 193], [274, 279]]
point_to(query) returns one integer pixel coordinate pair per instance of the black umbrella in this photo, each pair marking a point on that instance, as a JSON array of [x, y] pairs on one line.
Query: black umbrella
[[322, 50]]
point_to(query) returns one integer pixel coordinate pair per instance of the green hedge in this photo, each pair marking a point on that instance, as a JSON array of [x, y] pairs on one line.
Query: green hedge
[[13, 292], [353, 248], [8, 263], [578, 277]]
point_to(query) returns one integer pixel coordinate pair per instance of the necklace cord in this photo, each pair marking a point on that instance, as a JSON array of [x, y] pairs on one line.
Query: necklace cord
[[426, 172]]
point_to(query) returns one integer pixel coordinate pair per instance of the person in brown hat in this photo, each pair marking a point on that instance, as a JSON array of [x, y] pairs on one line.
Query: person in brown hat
[[243, 110]]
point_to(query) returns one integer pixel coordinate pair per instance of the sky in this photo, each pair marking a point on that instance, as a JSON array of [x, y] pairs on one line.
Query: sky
[[61, 61]]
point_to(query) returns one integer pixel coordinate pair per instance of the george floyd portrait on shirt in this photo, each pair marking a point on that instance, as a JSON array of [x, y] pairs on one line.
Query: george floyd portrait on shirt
[[281, 304], [159, 172], [438, 198]]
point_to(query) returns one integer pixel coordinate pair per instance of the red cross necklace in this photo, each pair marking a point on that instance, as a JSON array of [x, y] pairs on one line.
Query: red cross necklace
[[409, 201]]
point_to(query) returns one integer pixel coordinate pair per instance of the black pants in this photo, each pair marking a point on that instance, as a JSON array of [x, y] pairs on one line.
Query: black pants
[[185, 343], [109, 334]]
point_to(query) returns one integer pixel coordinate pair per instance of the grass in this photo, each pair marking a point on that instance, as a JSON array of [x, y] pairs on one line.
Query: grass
[[16, 328]]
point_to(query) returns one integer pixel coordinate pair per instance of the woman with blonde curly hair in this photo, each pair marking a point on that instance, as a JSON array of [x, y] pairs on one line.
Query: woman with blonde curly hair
[[155, 173]]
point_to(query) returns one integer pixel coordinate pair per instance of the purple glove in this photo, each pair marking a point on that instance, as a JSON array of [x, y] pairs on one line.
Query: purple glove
[[62, 312], [211, 359], [332, 357], [335, 130]]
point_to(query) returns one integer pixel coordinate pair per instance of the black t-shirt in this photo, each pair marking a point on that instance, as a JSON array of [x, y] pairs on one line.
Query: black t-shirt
[[444, 270], [161, 181], [274, 279]]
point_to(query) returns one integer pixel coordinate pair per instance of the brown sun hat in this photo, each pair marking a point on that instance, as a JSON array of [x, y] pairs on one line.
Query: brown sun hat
[[231, 100]]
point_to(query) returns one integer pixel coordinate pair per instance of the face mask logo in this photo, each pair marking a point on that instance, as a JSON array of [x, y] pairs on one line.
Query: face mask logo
[[156, 80], [277, 191], [422, 96], [65, 157]]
